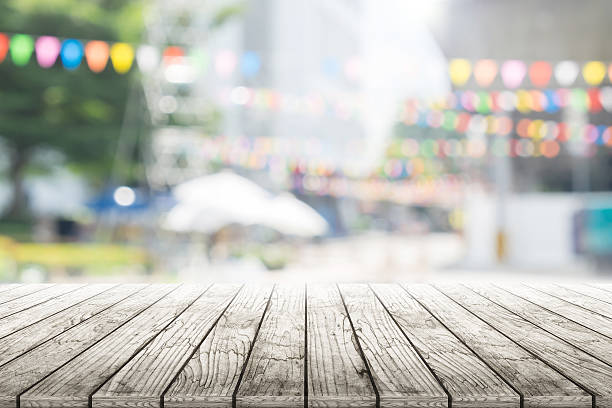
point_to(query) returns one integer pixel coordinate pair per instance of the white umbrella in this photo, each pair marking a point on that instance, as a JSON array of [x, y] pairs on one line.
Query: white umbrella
[[291, 216], [210, 202], [227, 194]]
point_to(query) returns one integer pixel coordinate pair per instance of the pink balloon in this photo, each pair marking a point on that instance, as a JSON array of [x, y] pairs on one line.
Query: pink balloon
[[513, 72], [47, 50]]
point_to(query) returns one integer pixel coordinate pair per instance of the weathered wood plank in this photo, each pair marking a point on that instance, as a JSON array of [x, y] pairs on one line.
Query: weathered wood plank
[[337, 374], [22, 290], [35, 299], [8, 286], [274, 374], [540, 385], [470, 382], [211, 375], [524, 302], [591, 374], [584, 309], [37, 313], [23, 372], [599, 300], [22, 341], [73, 384], [401, 377], [142, 381]]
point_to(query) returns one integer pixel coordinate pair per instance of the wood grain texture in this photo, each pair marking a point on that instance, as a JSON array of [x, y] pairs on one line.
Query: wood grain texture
[[22, 290], [211, 375], [604, 291], [34, 299], [591, 374], [337, 375], [8, 286], [470, 382], [33, 366], [539, 384], [274, 374], [73, 384], [29, 337], [142, 381], [400, 375], [593, 298], [557, 301], [557, 317], [37, 313]]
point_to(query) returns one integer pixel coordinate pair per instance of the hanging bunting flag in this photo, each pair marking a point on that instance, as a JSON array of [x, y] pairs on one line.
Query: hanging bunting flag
[[122, 57], [147, 58], [540, 73], [330, 67], [485, 72], [21, 49], [225, 63], [96, 54], [250, 64], [459, 71], [47, 51], [173, 55], [566, 72], [605, 98], [4, 46], [513, 72], [71, 54], [199, 59], [594, 100], [594, 72]]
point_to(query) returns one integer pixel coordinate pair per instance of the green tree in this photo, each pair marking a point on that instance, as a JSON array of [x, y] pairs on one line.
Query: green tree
[[76, 113]]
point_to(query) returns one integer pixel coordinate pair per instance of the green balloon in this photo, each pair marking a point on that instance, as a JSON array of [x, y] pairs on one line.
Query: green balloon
[[22, 47]]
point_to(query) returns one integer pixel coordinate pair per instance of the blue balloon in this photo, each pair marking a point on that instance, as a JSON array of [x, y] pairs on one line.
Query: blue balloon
[[250, 64], [72, 54]]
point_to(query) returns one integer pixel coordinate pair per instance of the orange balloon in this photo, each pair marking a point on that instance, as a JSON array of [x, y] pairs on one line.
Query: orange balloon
[[540, 73], [96, 53], [485, 72]]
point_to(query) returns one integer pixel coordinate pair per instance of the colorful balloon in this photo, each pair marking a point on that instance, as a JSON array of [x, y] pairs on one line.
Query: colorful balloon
[[566, 72], [47, 51], [459, 71], [4, 46], [71, 54], [594, 72], [96, 54], [540, 73], [21, 48], [513, 72], [122, 57], [485, 72]]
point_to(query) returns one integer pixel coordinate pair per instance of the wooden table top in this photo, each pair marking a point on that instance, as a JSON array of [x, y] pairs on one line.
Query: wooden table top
[[320, 345]]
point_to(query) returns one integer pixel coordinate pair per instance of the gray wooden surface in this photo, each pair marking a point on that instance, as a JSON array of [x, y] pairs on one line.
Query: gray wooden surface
[[324, 345]]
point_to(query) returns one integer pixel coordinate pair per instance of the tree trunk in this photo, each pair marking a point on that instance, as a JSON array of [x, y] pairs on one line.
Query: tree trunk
[[18, 205]]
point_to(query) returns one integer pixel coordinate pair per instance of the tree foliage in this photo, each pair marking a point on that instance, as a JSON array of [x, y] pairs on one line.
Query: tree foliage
[[76, 113]]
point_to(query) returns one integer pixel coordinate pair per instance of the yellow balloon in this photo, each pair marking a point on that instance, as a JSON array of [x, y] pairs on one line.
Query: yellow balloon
[[594, 72], [122, 57], [460, 71]]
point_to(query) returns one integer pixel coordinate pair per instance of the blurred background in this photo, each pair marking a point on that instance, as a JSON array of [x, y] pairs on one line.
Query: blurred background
[[348, 140]]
